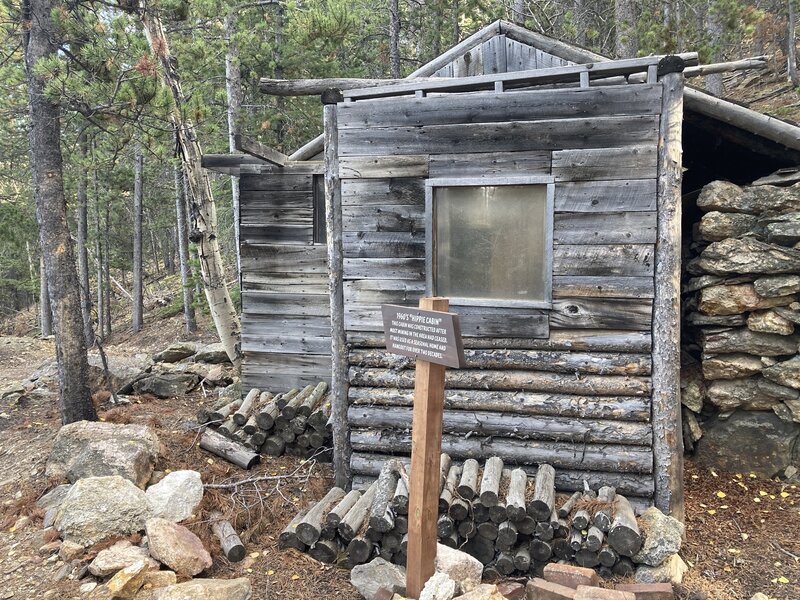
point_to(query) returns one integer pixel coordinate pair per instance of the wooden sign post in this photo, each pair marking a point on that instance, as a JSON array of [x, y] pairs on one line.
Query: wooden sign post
[[434, 339]]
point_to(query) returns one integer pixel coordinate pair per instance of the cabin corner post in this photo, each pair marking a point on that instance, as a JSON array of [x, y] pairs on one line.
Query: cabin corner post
[[666, 402], [333, 223]]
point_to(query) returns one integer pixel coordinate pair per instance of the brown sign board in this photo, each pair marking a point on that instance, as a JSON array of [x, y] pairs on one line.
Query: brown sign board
[[428, 335]]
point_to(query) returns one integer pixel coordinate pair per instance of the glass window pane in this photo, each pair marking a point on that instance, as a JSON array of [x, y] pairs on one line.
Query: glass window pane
[[489, 241]]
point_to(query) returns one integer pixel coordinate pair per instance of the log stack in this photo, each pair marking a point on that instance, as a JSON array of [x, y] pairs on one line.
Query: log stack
[[294, 422], [741, 309], [513, 523]]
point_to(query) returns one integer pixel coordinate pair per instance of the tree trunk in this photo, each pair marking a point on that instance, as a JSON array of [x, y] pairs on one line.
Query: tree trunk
[[518, 13], [394, 38], [183, 252], [41, 42], [204, 211], [233, 90], [98, 257], [278, 54], [714, 29], [138, 310], [791, 50], [107, 268], [83, 255], [45, 311], [626, 41]]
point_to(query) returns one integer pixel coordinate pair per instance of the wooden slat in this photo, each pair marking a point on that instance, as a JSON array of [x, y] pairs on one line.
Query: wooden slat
[[635, 162], [287, 344], [281, 372], [617, 260], [276, 182], [284, 258], [286, 283], [635, 195], [489, 107], [381, 167], [602, 313], [278, 200], [285, 304], [384, 244], [279, 234], [550, 134], [602, 287], [494, 55], [605, 228], [278, 325], [386, 217], [490, 164], [520, 57], [385, 268], [383, 291], [362, 192], [259, 150]]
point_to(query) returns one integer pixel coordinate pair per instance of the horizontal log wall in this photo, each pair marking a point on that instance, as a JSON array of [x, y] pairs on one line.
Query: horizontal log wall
[[569, 385], [286, 334]]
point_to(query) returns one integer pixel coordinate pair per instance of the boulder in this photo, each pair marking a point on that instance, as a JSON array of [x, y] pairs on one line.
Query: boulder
[[213, 354], [208, 589], [97, 508], [126, 583], [54, 497], [98, 383], [485, 591], [177, 547], [175, 352], [722, 196], [731, 366], [438, 587], [464, 569], [751, 342], [94, 449], [176, 496], [671, 570], [70, 550], [716, 226], [770, 443], [786, 373], [751, 393], [784, 231], [769, 321], [735, 299], [728, 197], [378, 574], [746, 255], [117, 557], [772, 286], [159, 579], [166, 385], [662, 537]]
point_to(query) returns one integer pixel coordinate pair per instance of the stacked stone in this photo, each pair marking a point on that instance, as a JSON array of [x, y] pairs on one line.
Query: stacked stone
[[741, 307]]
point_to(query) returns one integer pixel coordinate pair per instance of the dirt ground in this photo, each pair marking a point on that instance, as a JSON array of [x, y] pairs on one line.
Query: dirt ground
[[742, 531]]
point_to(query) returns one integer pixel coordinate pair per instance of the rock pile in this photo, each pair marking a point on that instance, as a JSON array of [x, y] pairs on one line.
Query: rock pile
[[741, 307], [512, 524]]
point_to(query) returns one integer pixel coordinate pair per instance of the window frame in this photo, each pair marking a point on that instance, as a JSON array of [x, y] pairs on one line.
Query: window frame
[[430, 241]]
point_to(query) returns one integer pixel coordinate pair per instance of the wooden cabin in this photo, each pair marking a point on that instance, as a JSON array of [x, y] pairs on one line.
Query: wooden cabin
[[536, 185]]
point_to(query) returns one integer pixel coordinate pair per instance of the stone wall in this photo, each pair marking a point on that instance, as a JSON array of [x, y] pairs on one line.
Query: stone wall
[[741, 369]]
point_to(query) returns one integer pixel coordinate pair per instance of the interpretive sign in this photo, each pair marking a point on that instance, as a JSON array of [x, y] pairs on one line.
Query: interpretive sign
[[423, 334]]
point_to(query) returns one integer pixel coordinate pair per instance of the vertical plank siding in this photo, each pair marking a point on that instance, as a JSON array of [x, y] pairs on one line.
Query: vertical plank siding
[[600, 145]]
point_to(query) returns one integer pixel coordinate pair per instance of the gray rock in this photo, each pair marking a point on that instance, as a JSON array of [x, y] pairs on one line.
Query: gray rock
[[789, 314], [208, 589], [671, 570], [438, 587], [736, 299], [692, 425], [715, 226], [786, 373], [485, 591], [793, 408], [378, 574], [777, 285], [752, 393], [785, 231], [769, 441], [696, 318], [751, 342], [97, 508], [117, 557], [93, 449], [464, 569], [213, 354], [176, 496], [662, 537], [54, 497], [728, 197], [177, 547], [731, 366], [167, 385], [175, 352], [769, 321], [722, 196], [745, 255], [693, 390]]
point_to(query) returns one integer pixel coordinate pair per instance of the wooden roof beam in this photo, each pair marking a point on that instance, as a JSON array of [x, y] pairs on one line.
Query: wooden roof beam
[[259, 150]]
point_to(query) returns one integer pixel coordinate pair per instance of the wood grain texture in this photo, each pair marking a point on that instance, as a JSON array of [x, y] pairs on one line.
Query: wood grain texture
[[490, 164], [604, 228], [603, 196], [600, 313], [598, 286], [615, 260], [633, 162]]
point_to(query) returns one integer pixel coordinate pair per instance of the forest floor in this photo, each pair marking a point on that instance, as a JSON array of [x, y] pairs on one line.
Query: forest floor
[[743, 532]]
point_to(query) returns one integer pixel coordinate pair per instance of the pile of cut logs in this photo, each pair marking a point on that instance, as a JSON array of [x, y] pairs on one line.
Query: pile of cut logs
[[295, 422], [508, 521]]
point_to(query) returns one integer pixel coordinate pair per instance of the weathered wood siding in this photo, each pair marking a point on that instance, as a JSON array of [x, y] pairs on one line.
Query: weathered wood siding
[[569, 385], [285, 309], [500, 55]]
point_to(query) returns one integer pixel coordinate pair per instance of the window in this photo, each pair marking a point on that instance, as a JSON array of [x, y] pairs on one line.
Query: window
[[490, 240], [320, 233]]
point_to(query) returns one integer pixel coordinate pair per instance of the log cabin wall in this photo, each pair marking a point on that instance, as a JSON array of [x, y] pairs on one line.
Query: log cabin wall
[[286, 340], [569, 385]]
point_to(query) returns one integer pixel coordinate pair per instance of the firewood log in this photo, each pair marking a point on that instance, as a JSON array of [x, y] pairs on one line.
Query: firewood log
[[586, 558], [289, 410], [359, 549], [225, 411], [488, 530], [298, 425], [624, 567], [251, 426], [312, 400], [450, 484], [230, 450], [319, 418], [444, 526], [481, 548], [607, 556], [490, 483], [391, 541], [400, 524], [576, 540], [541, 505], [273, 446], [541, 550], [309, 529], [624, 534], [498, 512], [581, 520], [522, 558], [526, 526], [566, 508], [381, 518], [450, 541], [444, 468], [459, 509], [288, 537], [562, 549], [325, 551], [467, 529], [505, 563], [268, 412], [400, 499], [515, 497], [544, 531], [602, 518], [480, 513], [228, 427], [232, 546], [243, 413], [469, 479], [337, 513], [351, 522], [594, 539], [283, 399], [507, 533]]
